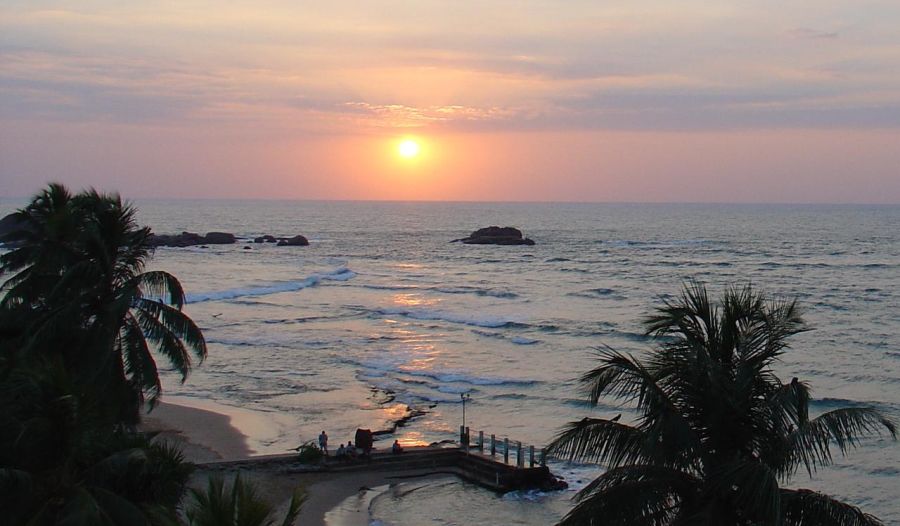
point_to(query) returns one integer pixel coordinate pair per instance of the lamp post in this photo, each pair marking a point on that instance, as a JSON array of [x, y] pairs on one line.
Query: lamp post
[[464, 436]]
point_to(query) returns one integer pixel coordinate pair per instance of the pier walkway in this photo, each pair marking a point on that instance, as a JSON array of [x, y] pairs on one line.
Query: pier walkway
[[470, 464]]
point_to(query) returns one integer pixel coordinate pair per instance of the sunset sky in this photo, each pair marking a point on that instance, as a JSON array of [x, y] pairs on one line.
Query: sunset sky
[[641, 101]]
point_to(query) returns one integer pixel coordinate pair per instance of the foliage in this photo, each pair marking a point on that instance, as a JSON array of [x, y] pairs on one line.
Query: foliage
[[716, 432], [239, 506], [59, 466], [79, 316], [76, 287], [308, 453]]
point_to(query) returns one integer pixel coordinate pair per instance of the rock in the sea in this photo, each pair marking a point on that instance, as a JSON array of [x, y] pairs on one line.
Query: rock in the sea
[[184, 239], [11, 224], [190, 239], [495, 235], [219, 238], [296, 241], [265, 239]]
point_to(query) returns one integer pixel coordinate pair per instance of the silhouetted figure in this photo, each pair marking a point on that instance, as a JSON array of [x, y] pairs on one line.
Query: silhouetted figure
[[323, 442]]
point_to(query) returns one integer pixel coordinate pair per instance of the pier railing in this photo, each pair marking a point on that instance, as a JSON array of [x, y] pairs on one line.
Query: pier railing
[[502, 446]]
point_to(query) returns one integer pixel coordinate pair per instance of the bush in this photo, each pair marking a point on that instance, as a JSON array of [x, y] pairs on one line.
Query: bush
[[308, 453]]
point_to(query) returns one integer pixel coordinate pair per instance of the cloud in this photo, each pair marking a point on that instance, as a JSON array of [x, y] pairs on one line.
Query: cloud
[[401, 116], [501, 66], [807, 33]]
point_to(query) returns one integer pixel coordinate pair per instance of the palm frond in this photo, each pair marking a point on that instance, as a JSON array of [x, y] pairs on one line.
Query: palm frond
[[811, 443], [632, 495], [803, 507], [166, 342], [138, 361], [600, 441], [175, 321], [162, 285], [752, 487]]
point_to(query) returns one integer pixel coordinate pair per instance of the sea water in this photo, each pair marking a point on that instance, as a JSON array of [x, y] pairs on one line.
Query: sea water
[[382, 319]]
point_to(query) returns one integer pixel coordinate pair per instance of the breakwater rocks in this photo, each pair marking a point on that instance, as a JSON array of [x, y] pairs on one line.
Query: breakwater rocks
[[495, 235], [190, 239]]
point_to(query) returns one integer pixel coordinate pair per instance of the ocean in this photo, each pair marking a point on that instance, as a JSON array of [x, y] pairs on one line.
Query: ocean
[[383, 320]]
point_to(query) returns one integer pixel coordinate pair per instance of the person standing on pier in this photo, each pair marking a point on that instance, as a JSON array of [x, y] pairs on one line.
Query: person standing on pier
[[323, 442]]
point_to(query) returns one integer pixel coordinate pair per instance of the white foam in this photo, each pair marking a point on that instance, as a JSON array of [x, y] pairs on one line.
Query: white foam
[[341, 274], [438, 315], [381, 368]]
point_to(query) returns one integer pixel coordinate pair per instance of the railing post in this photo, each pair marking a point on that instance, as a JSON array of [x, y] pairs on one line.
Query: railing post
[[543, 457], [531, 456], [467, 437], [481, 441], [462, 436], [493, 445], [520, 460], [506, 450]]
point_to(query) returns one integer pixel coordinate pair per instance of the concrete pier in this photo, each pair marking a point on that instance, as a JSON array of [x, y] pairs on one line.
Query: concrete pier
[[468, 464]]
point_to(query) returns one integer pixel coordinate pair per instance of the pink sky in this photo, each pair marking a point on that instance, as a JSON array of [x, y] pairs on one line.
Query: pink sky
[[519, 101]]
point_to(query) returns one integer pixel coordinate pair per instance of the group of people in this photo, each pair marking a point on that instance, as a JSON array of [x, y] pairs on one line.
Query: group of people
[[349, 450]]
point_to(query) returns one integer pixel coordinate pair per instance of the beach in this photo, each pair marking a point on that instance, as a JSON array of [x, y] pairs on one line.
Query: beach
[[206, 437]]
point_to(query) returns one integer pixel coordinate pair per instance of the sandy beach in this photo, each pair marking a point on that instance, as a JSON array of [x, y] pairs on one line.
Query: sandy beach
[[332, 499]]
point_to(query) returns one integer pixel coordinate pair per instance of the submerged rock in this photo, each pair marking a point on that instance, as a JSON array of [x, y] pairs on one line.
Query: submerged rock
[[495, 235]]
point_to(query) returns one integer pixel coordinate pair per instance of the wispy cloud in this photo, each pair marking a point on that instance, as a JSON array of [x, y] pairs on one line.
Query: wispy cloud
[[805, 32], [500, 66]]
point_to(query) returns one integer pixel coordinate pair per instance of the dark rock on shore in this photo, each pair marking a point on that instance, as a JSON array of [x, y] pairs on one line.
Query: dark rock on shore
[[495, 235], [296, 241]]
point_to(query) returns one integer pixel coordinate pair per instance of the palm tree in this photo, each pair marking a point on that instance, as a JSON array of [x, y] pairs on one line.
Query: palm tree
[[716, 432], [241, 506], [59, 464], [77, 282]]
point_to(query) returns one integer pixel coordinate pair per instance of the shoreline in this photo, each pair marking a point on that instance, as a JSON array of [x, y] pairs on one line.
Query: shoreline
[[203, 435], [208, 436]]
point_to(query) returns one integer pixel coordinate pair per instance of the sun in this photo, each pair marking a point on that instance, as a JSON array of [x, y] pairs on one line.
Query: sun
[[408, 148]]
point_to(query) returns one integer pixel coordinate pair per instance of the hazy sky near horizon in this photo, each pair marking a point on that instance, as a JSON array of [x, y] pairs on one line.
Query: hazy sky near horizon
[[646, 100]]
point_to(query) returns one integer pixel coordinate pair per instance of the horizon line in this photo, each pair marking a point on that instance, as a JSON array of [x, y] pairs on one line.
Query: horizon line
[[475, 201]]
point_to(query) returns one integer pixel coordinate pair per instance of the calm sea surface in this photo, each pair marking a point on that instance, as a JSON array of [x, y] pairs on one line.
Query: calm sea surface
[[381, 318]]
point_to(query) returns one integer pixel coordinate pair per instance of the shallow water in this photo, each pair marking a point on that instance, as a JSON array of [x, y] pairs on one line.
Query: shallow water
[[382, 318]]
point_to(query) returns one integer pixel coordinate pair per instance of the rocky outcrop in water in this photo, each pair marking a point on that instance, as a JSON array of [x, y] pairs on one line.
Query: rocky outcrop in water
[[8, 225], [296, 241], [219, 238], [495, 235], [190, 239]]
